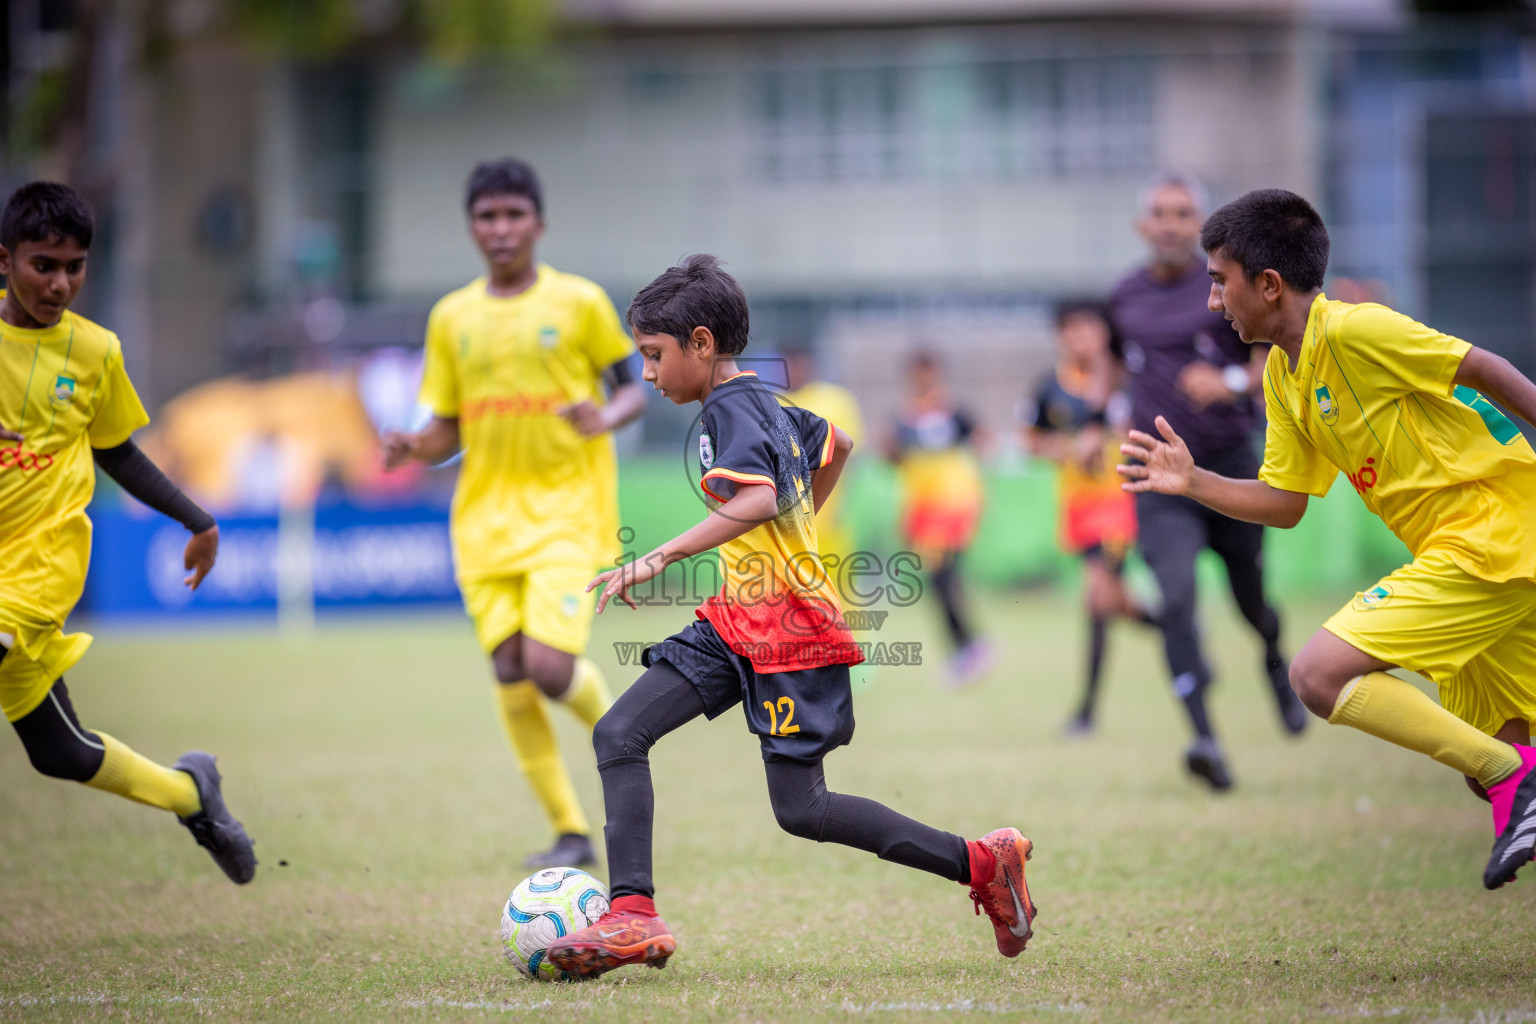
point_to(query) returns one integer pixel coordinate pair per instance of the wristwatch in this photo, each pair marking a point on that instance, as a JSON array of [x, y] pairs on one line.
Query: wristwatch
[[1236, 379]]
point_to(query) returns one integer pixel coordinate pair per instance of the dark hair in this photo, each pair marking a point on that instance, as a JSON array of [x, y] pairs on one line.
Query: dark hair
[[42, 211], [924, 359], [1271, 229], [507, 176], [695, 294], [797, 346], [1066, 309]]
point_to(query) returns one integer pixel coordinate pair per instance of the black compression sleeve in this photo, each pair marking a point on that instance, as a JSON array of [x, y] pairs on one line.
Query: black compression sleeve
[[134, 473], [56, 743], [620, 372], [965, 425]]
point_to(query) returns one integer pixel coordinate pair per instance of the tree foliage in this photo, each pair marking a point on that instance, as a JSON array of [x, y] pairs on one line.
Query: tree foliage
[[51, 114], [453, 31]]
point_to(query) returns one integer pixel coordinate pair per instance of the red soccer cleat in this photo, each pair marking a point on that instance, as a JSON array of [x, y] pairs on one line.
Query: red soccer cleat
[[619, 938], [1001, 891]]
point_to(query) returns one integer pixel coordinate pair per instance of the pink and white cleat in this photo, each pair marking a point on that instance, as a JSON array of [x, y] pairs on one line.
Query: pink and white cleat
[[1514, 821]]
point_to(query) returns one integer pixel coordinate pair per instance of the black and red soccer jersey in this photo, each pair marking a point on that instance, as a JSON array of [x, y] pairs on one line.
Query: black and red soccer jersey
[[778, 607]]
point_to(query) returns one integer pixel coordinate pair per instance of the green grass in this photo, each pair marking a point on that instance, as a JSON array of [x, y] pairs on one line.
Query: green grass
[[1340, 879]]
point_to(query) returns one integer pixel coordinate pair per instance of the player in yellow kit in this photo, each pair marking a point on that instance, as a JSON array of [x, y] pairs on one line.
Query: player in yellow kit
[[516, 363], [1398, 408], [835, 403], [66, 407]]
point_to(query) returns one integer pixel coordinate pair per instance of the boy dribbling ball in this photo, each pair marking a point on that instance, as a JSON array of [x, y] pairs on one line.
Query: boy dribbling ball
[[1399, 409], [778, 647]]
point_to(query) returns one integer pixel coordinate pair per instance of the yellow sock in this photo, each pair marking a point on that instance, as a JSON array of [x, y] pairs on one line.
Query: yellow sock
[[588, 698], [538, 754], [136, 777], [1395, 710]]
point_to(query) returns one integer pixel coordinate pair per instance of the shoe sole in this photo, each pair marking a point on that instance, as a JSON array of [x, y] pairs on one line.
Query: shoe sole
[[590, 960]]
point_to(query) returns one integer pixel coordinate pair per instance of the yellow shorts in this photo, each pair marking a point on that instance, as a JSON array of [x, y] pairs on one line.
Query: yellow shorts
[[1474, 638], [550, 606], [35, 657]]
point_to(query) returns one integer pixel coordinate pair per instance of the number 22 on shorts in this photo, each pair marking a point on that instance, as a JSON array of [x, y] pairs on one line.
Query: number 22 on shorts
[[787, 705]]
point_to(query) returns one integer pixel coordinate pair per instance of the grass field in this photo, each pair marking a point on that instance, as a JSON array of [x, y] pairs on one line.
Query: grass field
[[1341, 879]]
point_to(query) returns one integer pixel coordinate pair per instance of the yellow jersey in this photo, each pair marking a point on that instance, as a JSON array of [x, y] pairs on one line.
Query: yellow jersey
[[64, 389], [1373, 395], [532, 492], [838, 406]]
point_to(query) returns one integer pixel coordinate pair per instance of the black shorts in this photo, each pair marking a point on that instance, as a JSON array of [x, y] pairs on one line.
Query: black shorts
[[797, 716]]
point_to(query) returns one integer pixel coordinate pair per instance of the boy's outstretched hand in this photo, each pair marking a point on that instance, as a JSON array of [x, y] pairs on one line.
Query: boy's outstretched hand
[[618, 581], [398, 448], [199, 555], [1167, 467], [10, 435], [589, 418]]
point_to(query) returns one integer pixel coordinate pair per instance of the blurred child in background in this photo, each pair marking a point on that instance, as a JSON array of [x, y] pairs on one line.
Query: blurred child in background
[[834, 403], [1078, 418], [941, 500]]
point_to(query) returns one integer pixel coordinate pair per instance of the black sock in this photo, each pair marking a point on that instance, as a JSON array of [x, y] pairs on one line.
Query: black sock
[[659, 701], [1268, 628], [804, 807], [1191, 690], [1097, 631], [1274, 661], [630, 803], [946, 584]]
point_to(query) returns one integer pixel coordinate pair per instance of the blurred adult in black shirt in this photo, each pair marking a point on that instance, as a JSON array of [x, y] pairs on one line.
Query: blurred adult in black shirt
[[1186, 363]]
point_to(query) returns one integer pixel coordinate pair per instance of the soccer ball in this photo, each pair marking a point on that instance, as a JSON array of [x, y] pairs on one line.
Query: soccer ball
[[545, 906]]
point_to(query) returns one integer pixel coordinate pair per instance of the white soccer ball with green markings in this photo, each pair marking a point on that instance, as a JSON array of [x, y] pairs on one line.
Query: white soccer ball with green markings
[[545, 906]]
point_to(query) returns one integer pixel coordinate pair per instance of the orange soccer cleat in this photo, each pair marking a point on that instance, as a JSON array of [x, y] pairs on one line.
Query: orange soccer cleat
[[620, 937], [998, 887]]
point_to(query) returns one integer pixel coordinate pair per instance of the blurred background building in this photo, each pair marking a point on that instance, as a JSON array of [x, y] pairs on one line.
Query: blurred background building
[[280, 185]]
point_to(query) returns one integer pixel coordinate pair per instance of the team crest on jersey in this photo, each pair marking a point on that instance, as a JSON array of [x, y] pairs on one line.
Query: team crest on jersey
[[549, 337], [706, 451], [1374, 598], [1326, 406], [63, 392]]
